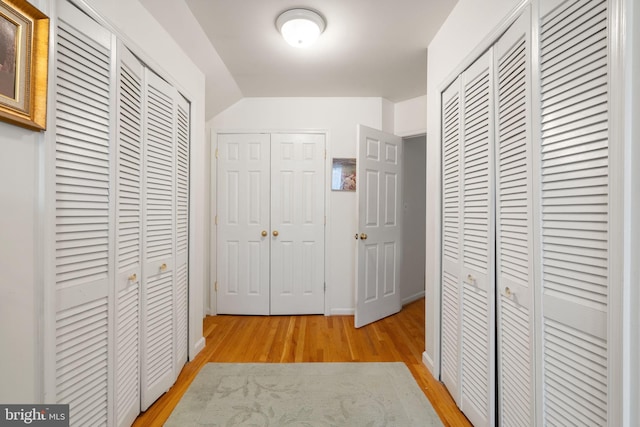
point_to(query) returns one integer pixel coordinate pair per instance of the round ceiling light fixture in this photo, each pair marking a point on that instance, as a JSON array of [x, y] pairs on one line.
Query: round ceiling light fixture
[[300, 27]]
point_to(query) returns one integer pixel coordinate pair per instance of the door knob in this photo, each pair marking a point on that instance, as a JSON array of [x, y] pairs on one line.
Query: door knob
[[275, 233], [133, 277], [363, 236], [264, 233], [507, 292], [163, 267]]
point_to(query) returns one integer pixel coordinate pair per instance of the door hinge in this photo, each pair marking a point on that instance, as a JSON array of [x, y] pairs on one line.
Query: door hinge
[[325, 220], [215, 286], [216, 220], [325, 287], [325, 154], [216, 153]]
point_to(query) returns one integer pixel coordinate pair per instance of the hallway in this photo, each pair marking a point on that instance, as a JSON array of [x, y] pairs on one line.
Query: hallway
[[288, 339]]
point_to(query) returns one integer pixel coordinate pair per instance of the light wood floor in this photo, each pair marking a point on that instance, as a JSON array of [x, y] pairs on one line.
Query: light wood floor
[[287, 339]]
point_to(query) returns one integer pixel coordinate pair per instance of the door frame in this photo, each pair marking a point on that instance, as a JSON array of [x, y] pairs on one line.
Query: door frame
[[210, 300]]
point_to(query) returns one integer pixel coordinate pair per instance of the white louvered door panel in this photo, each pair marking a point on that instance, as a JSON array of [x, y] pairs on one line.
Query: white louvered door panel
[[158, 311], [451, 237], [574, 197], [478, 244], [128, 236], [514, 237], [84, 209], [182, 230]]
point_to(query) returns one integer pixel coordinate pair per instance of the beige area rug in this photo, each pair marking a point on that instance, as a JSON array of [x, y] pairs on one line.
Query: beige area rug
[[304, 394]]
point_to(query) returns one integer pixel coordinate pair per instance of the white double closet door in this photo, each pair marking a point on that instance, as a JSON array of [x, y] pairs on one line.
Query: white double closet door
[[271, 223]]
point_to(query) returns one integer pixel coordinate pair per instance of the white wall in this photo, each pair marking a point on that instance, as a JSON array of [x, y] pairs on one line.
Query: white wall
[[21, 213], [19, 281], [339, 117], [469, 25], [413, 210], [410, 117]]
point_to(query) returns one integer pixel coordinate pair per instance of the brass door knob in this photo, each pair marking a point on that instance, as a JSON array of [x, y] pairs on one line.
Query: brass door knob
[[275, 233], [163, 267], [363, 236], [264, 233], [133, 277], [507, 292]]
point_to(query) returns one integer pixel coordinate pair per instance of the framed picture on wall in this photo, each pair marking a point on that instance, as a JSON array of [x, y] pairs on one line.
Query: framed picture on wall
[[24, 51], [343, 175]]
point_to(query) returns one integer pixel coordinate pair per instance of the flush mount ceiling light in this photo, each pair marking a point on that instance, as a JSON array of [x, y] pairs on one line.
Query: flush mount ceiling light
[[300, 27]]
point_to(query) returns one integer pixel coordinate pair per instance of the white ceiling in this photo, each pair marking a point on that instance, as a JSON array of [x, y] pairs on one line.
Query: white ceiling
[[369, 48]]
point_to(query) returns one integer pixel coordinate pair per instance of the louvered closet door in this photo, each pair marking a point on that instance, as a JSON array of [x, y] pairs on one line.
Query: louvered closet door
[[514, 243], [451, 238], [158, 310], [574, 192], [478, 244], [84, 216], [182, 230], [128, 236]]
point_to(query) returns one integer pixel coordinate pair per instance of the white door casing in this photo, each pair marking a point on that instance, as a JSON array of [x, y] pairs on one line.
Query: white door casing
[[243, 223], [297, 223], [379, 167]]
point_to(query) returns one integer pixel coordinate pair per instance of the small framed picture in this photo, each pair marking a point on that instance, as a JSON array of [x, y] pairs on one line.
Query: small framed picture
[[24, 49], [343, 175]]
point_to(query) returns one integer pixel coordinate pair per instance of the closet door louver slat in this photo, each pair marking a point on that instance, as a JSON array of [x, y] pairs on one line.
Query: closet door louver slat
[[128, 237], [158, 289], [478, 282], [451, 218], [83, 216], [574, 190], [182, 229], [514, 237]]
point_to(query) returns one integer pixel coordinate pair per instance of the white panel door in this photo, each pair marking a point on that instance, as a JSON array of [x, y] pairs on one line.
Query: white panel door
[[514, 222], [451, 238], [128, 244], [84, 215], [573, 174], [478, 244], [377, 274], [158, 354], [297, 223], [243, 224]]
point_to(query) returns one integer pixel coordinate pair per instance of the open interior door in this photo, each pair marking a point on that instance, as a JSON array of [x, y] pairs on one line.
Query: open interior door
[[379, 230]]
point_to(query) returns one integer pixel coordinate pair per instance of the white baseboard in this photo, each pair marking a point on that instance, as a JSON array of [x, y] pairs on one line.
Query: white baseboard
[[426, 361], [412, 298], [342, 312], [198, 347]]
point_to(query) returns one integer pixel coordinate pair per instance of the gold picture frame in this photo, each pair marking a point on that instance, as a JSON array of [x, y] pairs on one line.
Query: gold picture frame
[[24, 59]]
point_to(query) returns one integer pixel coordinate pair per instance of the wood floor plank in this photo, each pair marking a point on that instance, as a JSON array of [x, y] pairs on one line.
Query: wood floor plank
[[288, 339]]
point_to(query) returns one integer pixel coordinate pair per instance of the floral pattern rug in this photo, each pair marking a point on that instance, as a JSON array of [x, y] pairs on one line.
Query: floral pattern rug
[[304, 394]]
